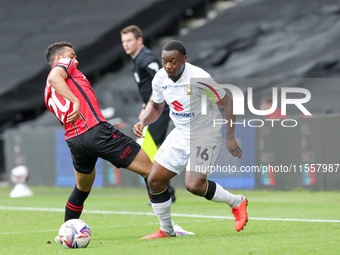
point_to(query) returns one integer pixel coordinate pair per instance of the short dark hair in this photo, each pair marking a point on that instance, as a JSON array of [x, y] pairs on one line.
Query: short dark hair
[[55, 48], [137, 32], [175, 45]]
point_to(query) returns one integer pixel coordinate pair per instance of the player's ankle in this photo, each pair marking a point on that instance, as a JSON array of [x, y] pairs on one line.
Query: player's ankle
[[170, 232], [237, 201]]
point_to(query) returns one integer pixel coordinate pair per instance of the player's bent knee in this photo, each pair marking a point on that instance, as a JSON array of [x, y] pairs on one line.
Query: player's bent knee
[[195, 186], [156, 184]]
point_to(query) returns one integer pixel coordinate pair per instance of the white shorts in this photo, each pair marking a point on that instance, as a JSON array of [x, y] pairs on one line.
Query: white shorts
[[174, 153]]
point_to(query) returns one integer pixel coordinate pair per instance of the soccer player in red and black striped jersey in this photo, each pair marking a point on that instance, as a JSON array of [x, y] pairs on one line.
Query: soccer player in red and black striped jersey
[[70, 97]]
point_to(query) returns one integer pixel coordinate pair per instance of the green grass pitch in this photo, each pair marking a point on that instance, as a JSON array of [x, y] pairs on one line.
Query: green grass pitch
[[33, 231]]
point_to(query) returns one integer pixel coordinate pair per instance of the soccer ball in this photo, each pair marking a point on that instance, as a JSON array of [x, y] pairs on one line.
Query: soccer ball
[[74, 233], [19, 174]]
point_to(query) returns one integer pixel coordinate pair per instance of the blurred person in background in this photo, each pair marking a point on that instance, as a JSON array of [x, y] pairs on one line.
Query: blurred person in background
[[145, 67]]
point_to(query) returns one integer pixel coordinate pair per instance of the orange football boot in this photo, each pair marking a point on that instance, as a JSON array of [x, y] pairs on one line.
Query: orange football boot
[[156, 235], [240, 213]]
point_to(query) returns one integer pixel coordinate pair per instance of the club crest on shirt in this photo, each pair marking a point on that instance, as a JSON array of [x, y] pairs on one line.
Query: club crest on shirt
[[159, 152], [188, 90]]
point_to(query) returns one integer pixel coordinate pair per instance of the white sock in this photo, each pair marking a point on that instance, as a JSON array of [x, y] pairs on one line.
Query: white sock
[[163, 212], [223, 196]]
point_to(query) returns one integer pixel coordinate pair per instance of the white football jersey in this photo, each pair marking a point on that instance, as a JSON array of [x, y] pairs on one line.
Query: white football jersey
[[185, 101]]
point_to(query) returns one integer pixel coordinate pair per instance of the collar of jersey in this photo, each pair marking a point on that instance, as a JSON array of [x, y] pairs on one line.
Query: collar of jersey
[[138, 53]]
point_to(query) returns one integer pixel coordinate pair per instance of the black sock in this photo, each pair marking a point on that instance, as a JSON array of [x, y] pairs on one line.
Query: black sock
[[147, 187], [210, 191], [160, 197], [75, 204]]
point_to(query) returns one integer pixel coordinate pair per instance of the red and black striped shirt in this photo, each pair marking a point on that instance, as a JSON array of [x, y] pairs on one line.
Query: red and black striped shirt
[[61, 107]]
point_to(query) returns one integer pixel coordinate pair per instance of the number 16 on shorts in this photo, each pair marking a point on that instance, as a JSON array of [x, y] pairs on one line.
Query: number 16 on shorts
[[202, 154], [205, 156]]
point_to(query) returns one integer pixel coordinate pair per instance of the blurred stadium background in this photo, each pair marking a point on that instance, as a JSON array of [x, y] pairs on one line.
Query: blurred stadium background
[[267, 42]]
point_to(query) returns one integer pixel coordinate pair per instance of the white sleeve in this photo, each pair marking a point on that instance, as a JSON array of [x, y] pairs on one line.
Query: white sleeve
[[157, 95]]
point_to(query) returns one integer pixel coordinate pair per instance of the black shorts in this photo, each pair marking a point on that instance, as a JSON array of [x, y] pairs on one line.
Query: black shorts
[[158, 129], [103, 141]]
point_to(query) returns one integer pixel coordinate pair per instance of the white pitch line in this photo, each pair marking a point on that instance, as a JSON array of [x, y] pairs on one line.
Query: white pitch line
[[33, 231], [152, 214], [97, 227]]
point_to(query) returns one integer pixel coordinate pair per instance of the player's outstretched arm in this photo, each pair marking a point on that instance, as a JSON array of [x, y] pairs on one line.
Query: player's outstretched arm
[[150, 117], [145, 109], [232, 144], [57, 79]]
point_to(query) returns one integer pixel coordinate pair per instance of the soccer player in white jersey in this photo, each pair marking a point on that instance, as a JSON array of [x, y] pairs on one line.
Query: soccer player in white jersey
[[194, 130]]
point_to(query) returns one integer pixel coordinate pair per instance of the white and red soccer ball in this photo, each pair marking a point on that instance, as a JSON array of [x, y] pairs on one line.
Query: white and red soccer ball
[[74, 233], [19, 174]]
